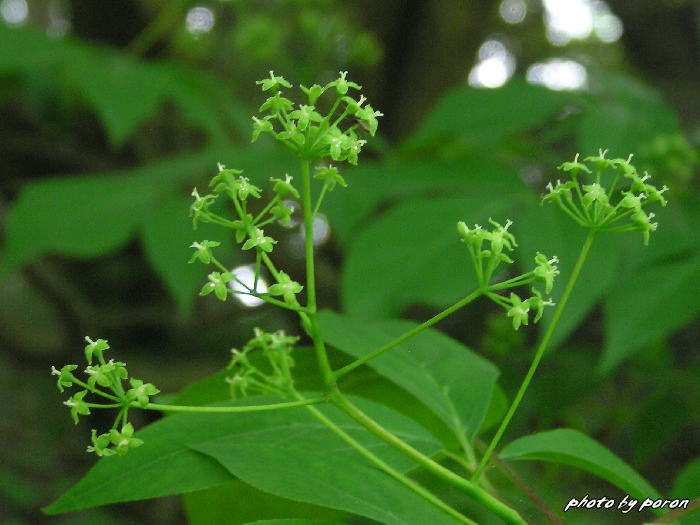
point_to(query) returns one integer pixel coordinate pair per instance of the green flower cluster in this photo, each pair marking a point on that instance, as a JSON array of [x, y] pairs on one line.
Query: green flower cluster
[[306, 130], [248, 377], [489, 248], [601, 206], [106, 380]]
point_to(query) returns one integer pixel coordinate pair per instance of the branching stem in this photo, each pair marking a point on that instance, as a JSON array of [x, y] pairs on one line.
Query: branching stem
[[538, 355]]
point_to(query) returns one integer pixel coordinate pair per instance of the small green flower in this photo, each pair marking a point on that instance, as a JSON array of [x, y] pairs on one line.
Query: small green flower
[[342, 85], [199, 209], [574, 167], [330, 176], [501, 238], [537, 304], [337, 142], [273, 82], [78, 407], [277, 104], [354, 148], [643, 223], [546, 270], [104, 374], [560, 191], [262, 125], [217, 284], [140, 392], [245, 188], [65, 376], [304, 115], [285, 287], [594, 193], [202, 251], [284, 187], [600, 162], [369, 116], [124, 441], [95, 347], [630, 200], [282, 213], [352, 105], [100, 444], [518, 311], [259, 240], [292, 133], [314, 92]]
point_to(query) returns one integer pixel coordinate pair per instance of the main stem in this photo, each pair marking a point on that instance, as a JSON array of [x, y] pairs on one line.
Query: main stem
[[427, 324], [538, 355], [315, 332], [506, 513], [415, 487]]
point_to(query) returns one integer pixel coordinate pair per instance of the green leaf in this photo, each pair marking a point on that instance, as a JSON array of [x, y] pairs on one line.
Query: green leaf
[[412, 254], [371, 184], [164, 465], [78, 216], [293, 455], [647, 305], [167, 463], [571, 447], [687, 486], [294, 522], [483, 116], [450, 379], [235, 503], [123, 91], [167, 235], [626, 119], [546, 229]]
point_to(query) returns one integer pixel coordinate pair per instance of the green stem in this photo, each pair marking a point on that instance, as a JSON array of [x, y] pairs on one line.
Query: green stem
[[418, 329], [94, 390], [415, 487], [265, 210], [506, 513], [315, 332], [320, 199], [538, 354], [229, 410]]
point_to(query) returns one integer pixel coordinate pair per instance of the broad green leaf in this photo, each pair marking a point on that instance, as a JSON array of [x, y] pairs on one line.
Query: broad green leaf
[[627, 120], [294, 522], [293, 455], [123, 91], [571, 447], [482, 116], [547, 230], [235, 503], [168, 464], [164, 465], [413, 254], [167, 235], [78, 216], [371, 184], [450, 379], [647, 305], [687, 486]]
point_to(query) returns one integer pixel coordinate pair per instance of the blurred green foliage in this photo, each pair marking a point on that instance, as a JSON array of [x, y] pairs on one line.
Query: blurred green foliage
[[103, 144]]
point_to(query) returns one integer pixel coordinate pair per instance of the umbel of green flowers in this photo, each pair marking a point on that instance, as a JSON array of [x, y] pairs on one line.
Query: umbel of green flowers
[[305, 129], [105, 381], [607, 195], [489, 248]]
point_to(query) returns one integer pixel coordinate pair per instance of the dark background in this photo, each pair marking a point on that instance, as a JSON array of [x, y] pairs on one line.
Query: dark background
[[63, 114]]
